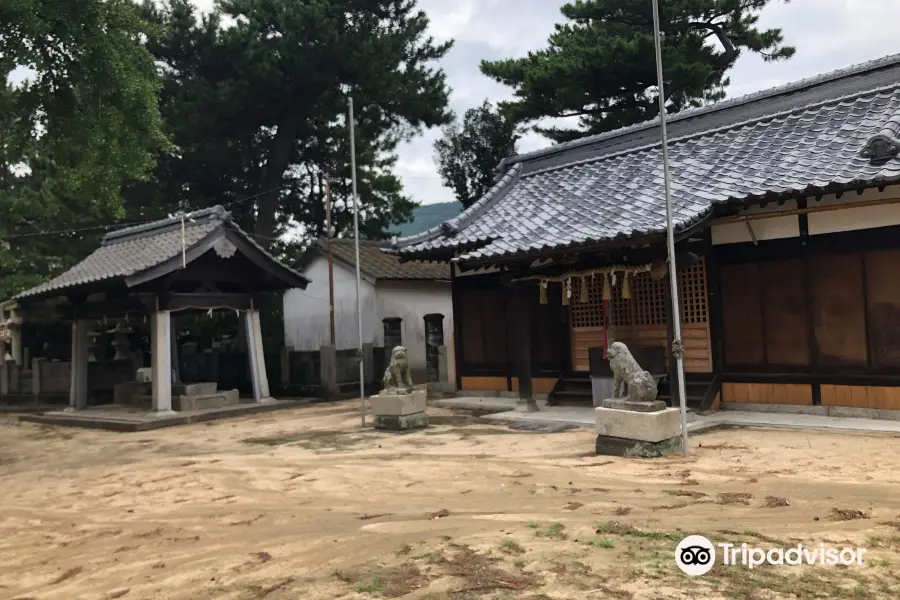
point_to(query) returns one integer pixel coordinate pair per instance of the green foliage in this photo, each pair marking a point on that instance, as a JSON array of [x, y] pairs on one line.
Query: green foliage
[[258, 109], [83, 121], [600, 65], [470, 151]]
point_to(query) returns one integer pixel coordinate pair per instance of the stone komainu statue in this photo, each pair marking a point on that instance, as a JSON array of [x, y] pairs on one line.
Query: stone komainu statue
[[640, 384], [397, 378]]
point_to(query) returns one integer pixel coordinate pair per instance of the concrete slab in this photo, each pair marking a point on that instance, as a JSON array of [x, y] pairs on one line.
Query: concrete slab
[[584, 417], [732, 418], [125, 418], [653, 427]]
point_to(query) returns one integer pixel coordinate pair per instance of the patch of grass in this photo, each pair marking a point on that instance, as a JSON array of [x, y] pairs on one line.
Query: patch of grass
[[684, 493], [845, 514], [602, 542], [734, 498], [533, 525], [426, 556], [776, 502], [511, 546], [372, 585], [616, 528], [554, 531], [311, 440]]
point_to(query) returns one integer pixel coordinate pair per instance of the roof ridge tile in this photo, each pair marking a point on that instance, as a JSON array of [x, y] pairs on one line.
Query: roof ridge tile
[[217, 212], [772, 92]]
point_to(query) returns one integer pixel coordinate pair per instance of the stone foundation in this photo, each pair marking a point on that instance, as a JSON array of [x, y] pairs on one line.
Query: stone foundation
[[401, 422], [629, 432], [185, 396], [400, 412], [613, 446], [217, 399]]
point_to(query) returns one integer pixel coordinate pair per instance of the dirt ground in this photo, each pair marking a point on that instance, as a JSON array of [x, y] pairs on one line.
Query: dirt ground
[[304, 503]]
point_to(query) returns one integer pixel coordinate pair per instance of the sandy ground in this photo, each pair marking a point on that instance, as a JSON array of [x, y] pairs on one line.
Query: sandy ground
[[304, 503]]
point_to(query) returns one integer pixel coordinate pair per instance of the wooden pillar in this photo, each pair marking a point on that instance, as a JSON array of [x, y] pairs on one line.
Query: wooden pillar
[[522, 320], [15, 344], [78, 388], [256, 357], [161, 361], [173, 337]]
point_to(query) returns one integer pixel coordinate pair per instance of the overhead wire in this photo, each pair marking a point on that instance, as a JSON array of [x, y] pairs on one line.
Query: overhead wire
[[122, 225]]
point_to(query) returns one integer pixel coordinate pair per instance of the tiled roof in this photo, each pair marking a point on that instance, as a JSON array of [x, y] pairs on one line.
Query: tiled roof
[[132, 250], [375, 263], [836, 129]]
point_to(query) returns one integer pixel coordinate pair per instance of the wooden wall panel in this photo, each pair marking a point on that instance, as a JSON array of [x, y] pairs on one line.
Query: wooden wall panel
[[838, 309], [858, 396], [883, 304], [469, 315], [768, 393], [582, 339], [785, 312], [496, 384], [697, 352], [494, 311], [539, 385], [742, 319]]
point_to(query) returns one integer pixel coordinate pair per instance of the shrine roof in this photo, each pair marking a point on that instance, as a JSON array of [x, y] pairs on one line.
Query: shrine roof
[[142, 253], [835, 131]]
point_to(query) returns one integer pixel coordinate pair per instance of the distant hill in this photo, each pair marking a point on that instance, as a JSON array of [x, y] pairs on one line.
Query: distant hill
[[427, 216]]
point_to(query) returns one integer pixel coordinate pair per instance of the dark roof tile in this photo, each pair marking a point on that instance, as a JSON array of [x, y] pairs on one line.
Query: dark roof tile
[[611, 186], [131, 250], [378, 265]]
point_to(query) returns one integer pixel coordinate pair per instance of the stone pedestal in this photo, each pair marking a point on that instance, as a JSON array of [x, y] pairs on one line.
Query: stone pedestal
[[645, 433], [400, 412]]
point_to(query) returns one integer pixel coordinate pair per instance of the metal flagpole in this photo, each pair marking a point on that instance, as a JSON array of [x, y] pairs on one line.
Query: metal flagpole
[[677, 347], [330, 256], [362, 374]]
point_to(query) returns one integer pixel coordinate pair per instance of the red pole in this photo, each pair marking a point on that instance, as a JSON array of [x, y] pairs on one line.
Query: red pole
[[330, 261], [605, 326]]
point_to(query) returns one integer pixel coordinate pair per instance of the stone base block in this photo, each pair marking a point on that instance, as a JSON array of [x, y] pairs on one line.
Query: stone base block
[[396, 405], [204, 401], [615, 446], [131, 393], [406, 422], [194, 389], [526, 405], [638, 426], [625, 404]]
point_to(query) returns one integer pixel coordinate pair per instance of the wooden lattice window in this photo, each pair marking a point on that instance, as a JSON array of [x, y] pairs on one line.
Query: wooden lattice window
[[649, 300], [620, 308], [590, 313], [692, 293]]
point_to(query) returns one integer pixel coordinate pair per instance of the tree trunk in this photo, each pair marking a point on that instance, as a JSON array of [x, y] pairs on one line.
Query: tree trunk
[[278, 160]]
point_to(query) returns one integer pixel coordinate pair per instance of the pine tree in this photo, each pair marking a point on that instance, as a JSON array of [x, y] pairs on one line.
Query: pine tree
[[600, 64]]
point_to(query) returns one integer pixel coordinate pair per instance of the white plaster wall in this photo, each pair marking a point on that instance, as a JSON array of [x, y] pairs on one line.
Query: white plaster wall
[[411, 301], [847, 218], [306, 323], [850, 218], [764, 229]]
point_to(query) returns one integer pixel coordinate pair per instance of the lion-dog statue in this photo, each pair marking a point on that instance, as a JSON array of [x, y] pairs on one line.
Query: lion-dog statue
[[397, 379], [640, 384]]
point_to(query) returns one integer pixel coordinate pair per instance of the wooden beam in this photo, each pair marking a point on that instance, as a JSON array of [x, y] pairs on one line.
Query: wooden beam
[[205, 301], [805, 211]]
